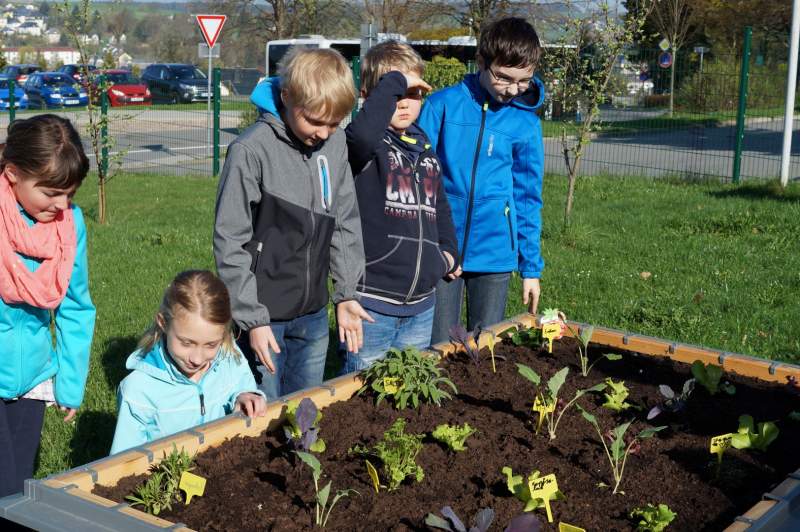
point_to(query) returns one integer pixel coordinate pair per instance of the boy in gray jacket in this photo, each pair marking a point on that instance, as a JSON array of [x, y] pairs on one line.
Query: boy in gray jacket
[[286, 216]]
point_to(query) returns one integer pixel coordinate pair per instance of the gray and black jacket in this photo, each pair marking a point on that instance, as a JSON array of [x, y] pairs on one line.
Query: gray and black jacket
[[286, 216]]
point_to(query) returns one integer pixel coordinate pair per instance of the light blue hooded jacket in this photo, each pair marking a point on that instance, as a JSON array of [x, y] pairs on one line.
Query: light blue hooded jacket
[[156, 399], [27, 354]]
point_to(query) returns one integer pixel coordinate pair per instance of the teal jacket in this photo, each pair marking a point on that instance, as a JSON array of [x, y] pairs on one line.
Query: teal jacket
[[156, 399], [27, 353]]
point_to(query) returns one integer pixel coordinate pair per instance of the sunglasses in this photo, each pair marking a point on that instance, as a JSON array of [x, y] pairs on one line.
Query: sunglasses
[[416, 93]]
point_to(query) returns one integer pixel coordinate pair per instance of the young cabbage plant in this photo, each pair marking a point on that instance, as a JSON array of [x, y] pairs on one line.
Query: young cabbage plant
[[468, 340], [450, 521], [453, 436], [750, 436], [398, 453], [616, 395], [584, 338], [672, 402], [652, 518], [302, 426], [551, 410], [618, 453], [322, 510], [710, 376], [491, 343], [521, 489]]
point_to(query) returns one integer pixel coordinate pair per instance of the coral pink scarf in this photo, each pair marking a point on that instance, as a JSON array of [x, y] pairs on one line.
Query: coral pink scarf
[[52, 242]]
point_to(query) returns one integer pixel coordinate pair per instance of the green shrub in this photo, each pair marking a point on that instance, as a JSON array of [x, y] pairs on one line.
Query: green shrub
[[441, 72], [247, 117]]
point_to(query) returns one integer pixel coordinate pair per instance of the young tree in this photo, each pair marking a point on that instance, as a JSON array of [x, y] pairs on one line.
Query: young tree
[[674, 19]]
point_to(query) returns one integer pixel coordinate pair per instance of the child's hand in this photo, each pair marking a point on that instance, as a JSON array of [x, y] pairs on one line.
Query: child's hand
[[530, 294], [450, 262], [70, 413], [263, 341], [349, 315], [415, 82], [252, 404]]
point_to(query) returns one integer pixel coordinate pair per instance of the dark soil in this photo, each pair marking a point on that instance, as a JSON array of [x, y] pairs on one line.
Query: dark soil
[[255, 484]]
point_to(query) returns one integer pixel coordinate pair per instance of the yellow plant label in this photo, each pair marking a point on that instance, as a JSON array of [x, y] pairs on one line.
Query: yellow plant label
[[543, 488], [542, 408], [564, 527], [551, 331], [720, 444], [373, 474], [192, 485], [391, 385]]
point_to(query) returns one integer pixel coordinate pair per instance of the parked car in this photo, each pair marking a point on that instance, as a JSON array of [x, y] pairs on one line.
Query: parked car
[[54, 89], [176, 83], [76, 71], [19, 72], [126, 89], [20, 98]]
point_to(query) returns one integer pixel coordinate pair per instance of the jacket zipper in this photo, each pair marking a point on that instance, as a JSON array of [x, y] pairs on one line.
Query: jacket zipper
[[472, 184], [259, 248], [202, 405], [307, 287], [419, 245], [510, 229]]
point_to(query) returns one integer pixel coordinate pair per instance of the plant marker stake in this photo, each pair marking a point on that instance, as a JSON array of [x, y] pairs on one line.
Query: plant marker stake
[[192, 484], [543, 488], [720, 444], [543, 409], [564, 527], [551, 331], [373, 474]]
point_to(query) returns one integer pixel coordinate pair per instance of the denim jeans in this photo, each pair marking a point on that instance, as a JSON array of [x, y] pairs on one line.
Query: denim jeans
[[301, 362], [20, 433], [486, 302], [387, 332]]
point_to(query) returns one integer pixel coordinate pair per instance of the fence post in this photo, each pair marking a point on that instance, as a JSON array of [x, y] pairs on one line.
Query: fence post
[[744, 79], [471, 67], [217, 77], [12, 99], [355, 65], [103, 126]]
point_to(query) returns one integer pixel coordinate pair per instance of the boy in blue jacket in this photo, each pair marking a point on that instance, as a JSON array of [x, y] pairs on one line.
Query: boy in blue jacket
[[489, 139]]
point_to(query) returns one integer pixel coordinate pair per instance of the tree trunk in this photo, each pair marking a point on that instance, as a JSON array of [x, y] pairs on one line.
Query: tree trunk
[[101, 200], [672, 82]]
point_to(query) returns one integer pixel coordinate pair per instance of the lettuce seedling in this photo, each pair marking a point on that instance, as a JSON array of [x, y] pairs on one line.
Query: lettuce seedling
[[520, 488], [483, 520], [709, 376], [618, 453], [615, 395], [751, 437], [302, 426], [321, 499], [528, 337], [398, 453], [672, 402], [549, 397], [414, 378], [652, 518], [453, 436], [468, 339], [524, 523]]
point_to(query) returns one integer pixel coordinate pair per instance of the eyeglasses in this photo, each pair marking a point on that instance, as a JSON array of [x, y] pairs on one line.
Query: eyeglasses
[[504, 81]]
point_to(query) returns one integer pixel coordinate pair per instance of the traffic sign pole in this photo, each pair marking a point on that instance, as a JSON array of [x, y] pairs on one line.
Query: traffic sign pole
[[210, 26]]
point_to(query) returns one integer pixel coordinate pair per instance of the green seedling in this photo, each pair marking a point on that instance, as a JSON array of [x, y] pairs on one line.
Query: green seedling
[[652, 518], [491, 341], [521, 489], [322, 510], [618, 453], [547, 403], [398, 453], [405, 377], [160, 489], [750, 436], [527, 337], [451, 522], [302, 426], [453, 436], [615, 395], [709, 376]]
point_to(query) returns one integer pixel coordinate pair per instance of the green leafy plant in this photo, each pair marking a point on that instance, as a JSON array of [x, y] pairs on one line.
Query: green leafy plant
[[491, 342], [652, 518], [302, 426], [413, 376], [710, 376], [520, 488], [548, 397], [483, 520], [322, 510], [453, 436], [750, 436], [619, 449], [616, 395], [527, 337], [398, 453], [160, 489]]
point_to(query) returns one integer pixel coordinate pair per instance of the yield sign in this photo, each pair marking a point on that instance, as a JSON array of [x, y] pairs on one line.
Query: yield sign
[[211, 25]]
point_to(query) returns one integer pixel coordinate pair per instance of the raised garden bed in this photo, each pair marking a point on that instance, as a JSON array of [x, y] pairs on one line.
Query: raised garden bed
[[255, 483]]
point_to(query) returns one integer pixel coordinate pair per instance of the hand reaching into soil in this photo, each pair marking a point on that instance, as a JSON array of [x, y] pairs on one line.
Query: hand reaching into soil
[[252, 404]]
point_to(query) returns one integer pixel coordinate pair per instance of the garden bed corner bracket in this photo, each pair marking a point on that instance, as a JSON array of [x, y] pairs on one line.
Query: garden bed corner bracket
[[331, 389], [672, 348], [625, 339], [177, 526], [722, 357], [743, 519], [773, 367], [144, 450], [201, 438]]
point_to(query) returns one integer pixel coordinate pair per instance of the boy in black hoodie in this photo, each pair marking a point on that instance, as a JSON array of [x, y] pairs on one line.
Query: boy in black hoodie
[[409, 238]]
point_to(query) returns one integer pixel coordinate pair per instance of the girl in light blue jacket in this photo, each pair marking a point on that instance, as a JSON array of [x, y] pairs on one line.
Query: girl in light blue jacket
[[43, 279], [187, 370]]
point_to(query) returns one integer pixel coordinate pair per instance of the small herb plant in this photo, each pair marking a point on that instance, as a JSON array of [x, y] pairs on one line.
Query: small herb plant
[[453, 436], [407, 376], [672, 402], [468, 340], [553, 411], [616, 395], [482, 522], [302, 426], [750, 436], [160, 489], [652, 518], [618, 453], [322, 510], [398, 453], [520, 488], [710, 376]]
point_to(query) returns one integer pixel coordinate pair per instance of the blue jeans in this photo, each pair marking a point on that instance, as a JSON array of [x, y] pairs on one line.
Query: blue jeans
[[301, 362], [388, 332], [486, 302]]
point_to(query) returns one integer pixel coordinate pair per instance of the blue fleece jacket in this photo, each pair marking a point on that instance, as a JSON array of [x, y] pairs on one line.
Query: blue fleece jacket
[[156, 399], [27, 354], [493, 162]]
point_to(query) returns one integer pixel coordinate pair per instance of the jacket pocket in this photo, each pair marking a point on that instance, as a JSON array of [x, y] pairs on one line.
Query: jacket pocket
[[507, 214]]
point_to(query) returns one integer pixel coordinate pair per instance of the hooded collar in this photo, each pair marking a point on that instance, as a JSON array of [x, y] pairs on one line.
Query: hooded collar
[[267, 98], [530, 100], [413, 141]]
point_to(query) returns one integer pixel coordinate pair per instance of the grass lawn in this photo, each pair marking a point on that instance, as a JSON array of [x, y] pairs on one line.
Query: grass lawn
[[723, 264]]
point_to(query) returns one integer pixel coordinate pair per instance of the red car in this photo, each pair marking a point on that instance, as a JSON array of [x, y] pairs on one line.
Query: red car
[[126, 89]]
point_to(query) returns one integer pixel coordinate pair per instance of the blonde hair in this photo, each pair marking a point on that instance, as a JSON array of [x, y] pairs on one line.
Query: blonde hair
[[385, 57], [193, 291], [319, 81]]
